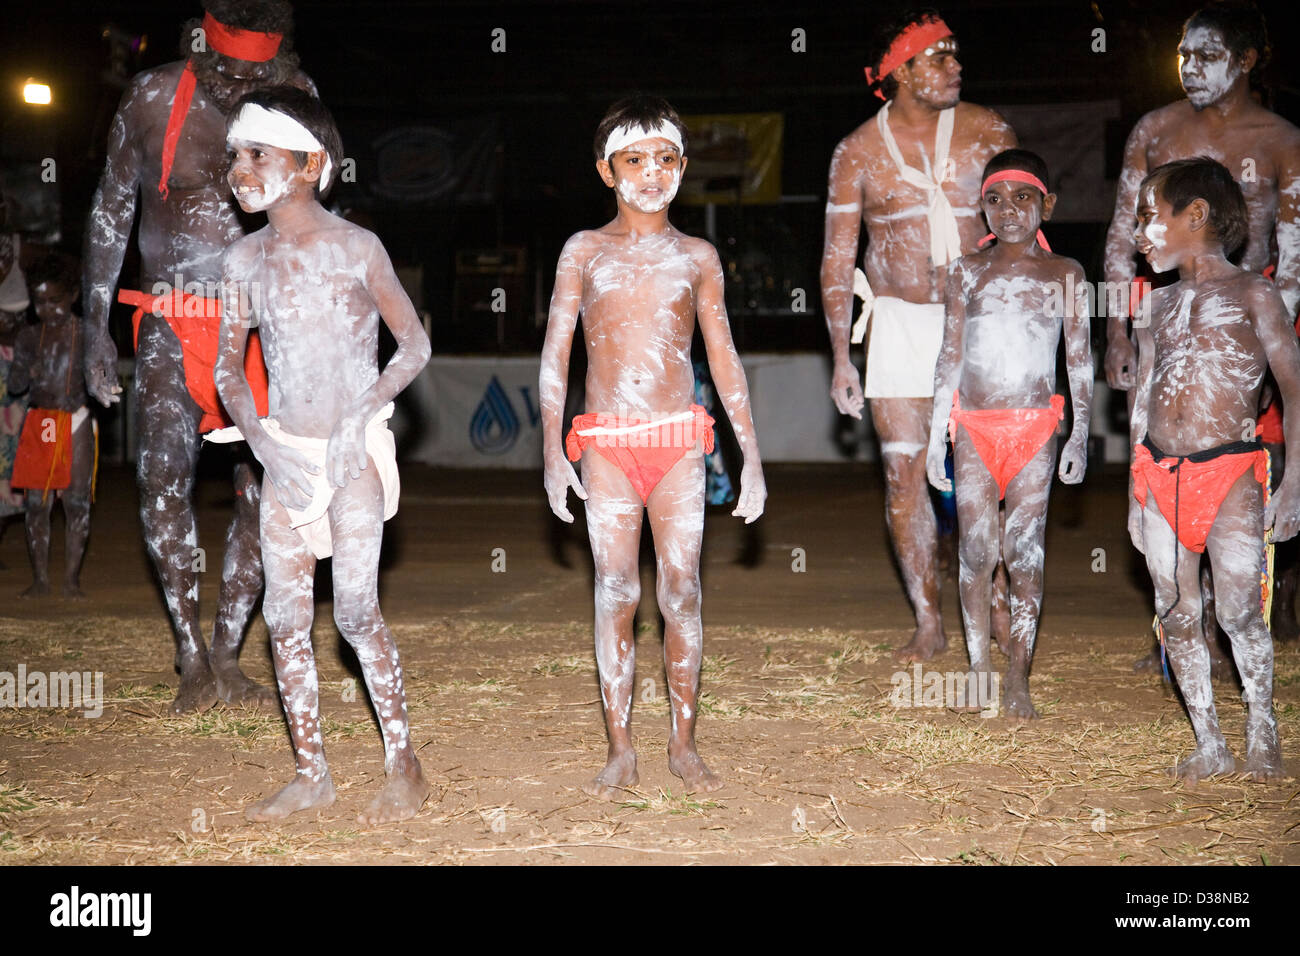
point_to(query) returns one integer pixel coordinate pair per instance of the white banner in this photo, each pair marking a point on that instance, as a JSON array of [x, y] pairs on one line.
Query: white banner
[[483, 412]]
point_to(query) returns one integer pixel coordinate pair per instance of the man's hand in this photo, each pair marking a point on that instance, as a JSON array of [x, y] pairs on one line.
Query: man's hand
[[288, 469], [753, 492], [100, 365], [558, 478], [1074, 460], [1283, 512], [345, 456], [936, 469], [846, 390], [1121, 363]]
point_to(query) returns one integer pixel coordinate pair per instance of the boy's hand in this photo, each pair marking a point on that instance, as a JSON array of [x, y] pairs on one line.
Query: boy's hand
[[1121, 363], [559, 477], [936, 469], [345, 456], [1135, 524], [753, 492], [1074, 460], [1283, 512], [846, 390], [100, 365], [288, 469]]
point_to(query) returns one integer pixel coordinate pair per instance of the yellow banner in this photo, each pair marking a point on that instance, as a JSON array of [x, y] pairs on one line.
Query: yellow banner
[[733, 157]]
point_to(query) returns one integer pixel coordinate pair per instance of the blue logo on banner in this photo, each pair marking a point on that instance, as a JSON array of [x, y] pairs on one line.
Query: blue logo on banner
[[494, 425]]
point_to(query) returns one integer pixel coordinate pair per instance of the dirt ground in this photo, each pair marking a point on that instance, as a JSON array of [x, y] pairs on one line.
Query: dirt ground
[[820, 767]]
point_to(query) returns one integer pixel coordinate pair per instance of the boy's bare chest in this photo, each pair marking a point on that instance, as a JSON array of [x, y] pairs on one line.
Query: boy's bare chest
[[1208, 329], [635, 280]]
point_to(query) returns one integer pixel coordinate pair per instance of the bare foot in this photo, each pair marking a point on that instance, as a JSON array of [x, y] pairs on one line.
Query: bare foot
[[39, 589], [1015, 702], [73, 592], [694, 774], [1205, 763], [1263, 752], [234, 687], [401, 798], [198, 692], [303, 793], [925, 643], [612, 782]]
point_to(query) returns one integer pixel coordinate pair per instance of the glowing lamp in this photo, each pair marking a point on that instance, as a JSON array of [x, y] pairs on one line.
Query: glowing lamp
[[38, 94]]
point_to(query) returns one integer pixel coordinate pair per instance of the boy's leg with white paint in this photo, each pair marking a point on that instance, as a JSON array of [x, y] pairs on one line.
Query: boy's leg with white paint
[[1179, 601], [356, 517], [36, 525], [903, 425], [288, 609], [977, 547], [1022, 550], [614, 529], [76, 507], [1236, 547], [676, 510]]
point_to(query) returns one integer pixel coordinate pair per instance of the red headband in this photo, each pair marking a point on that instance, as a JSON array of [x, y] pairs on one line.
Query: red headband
[[1019, 176], [240, 44], [1016, 175], [233, 42], [906, 45]]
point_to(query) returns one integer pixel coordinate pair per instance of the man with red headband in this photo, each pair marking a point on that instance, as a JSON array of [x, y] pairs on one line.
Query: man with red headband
[[167, 153], [912, 175], [1223, 47]]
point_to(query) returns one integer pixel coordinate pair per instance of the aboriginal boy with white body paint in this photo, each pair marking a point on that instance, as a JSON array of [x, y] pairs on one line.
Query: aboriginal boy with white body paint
[[995, 394], [316, 286], [639, 285], [1199, 472]]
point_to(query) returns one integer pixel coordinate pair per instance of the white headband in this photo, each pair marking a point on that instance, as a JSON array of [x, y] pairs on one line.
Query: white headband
[[257, 124], [633, 133]]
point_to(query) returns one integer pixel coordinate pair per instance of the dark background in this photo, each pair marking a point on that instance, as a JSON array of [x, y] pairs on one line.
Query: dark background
[[532, 112]]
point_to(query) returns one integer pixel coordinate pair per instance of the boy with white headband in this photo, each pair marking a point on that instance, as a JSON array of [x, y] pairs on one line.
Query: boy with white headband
[[316, 287], [995, 395], [911, 174], [639, 285]]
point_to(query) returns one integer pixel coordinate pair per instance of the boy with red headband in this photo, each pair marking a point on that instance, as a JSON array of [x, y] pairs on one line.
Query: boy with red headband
[[56, 454], [1200, 475], [317, 286], [911, 175], [166, 158], [639, 285], [995, 396]]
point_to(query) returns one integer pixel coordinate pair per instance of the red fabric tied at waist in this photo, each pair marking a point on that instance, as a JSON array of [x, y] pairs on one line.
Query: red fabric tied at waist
[[44, 456], [197, 323], [644, 450], [1189, 492], [1006, 438]]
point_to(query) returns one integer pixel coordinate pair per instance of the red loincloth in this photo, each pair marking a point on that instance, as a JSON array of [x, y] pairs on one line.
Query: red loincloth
[[644, 450], [200, 336], [1006, 438], [40, 463], [1189, 489]]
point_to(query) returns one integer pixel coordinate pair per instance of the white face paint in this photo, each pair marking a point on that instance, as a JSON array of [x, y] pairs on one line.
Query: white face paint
[[1206, 68], [647, 174], [1151, 230], [260, 175]]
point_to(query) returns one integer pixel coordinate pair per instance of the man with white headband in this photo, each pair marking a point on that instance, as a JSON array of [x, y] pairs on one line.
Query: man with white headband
[[167, 158], [912, 175], [639, 285], [316, 286]]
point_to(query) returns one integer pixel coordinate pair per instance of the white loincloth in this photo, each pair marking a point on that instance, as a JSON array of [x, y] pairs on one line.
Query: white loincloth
[[313, 522], [903, 349]]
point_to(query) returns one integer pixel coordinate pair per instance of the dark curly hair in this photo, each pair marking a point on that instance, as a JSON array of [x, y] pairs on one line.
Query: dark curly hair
[[264, 16], [637, 110], [885, 35], [1184, 180], [1242, 27]]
